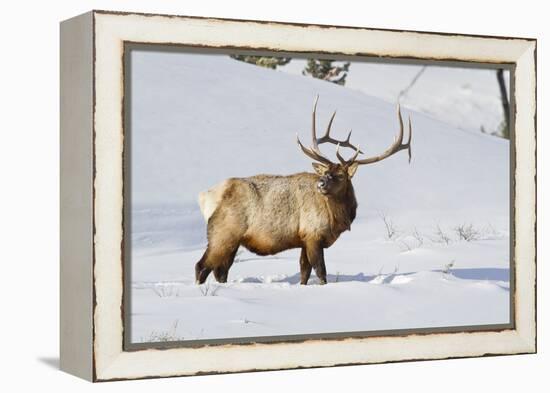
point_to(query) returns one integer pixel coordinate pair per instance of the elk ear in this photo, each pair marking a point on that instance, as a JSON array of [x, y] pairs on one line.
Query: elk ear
[[320, 169], [352, 169]]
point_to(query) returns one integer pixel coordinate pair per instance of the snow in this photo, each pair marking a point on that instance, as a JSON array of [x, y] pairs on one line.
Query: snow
[[467, 98], [198, 119]]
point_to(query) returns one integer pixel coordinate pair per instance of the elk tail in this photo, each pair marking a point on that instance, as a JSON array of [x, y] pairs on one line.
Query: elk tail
[[208, 202]]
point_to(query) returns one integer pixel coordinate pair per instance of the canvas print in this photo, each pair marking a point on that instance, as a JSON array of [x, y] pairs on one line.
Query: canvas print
[[271, 198]]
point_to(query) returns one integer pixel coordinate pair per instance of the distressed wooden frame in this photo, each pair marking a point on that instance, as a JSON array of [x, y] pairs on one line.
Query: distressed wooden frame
[[92, 132]]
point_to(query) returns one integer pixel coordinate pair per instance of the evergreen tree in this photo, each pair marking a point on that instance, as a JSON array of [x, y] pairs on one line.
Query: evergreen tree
[[326, 70], [263, 61]]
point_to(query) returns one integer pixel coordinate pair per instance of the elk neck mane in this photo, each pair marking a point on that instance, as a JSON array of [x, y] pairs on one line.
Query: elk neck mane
[[342, 210]]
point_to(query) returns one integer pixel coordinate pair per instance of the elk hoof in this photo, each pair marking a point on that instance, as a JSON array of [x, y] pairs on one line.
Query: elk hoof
[[323, 281]]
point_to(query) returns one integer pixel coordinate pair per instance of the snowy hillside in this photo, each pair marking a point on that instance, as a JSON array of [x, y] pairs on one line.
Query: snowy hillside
[[198, 119], [466, 98]]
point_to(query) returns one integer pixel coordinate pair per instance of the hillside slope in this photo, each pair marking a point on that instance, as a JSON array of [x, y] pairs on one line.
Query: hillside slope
[[198, 119]]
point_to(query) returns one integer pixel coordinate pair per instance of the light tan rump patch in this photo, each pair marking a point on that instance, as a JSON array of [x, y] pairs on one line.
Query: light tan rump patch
[[210, 199]]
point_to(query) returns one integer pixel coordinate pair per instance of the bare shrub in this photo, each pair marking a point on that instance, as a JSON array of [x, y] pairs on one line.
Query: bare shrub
[[412, 241], [441, 236], [385, 278], [448, 266], [165, 336], [489, 232], [490, 229], [467, 232], [391, 229], [207, 289], [418, 237], [405, 246], [162, 289]]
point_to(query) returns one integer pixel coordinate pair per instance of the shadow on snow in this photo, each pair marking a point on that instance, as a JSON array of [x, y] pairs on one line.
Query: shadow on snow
[[480, 274]]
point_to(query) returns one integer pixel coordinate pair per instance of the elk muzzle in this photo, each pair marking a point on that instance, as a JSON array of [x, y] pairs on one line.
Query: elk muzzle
[[323, 184]]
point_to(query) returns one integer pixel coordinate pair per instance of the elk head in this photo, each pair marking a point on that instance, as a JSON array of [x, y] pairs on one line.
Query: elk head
[[334, 178]]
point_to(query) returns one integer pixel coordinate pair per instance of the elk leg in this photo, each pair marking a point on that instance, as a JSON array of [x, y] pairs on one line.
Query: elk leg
[[203, 275], [222, 262], [305, 267], [321, 270], [221, 274], [201, 271], [316, 258], [224, 233]]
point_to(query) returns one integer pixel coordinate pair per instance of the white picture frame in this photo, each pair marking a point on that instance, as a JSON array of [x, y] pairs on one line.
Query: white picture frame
[[92, 218]]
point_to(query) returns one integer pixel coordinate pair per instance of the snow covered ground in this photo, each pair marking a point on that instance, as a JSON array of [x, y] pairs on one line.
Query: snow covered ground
[[198, 119]]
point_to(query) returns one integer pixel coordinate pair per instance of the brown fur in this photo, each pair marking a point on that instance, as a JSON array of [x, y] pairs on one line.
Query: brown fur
[[269, 214]]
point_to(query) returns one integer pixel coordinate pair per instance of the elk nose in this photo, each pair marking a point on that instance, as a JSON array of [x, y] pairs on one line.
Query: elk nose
[[322, 182]]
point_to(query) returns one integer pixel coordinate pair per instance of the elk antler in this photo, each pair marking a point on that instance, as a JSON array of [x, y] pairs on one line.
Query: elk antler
[[396, 146], [314, 151]]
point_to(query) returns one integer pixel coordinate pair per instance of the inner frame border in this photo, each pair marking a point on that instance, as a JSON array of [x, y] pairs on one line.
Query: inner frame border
[[128, 345]]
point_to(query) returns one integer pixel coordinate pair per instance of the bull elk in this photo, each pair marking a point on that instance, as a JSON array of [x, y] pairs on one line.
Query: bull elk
[[268, 214]]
